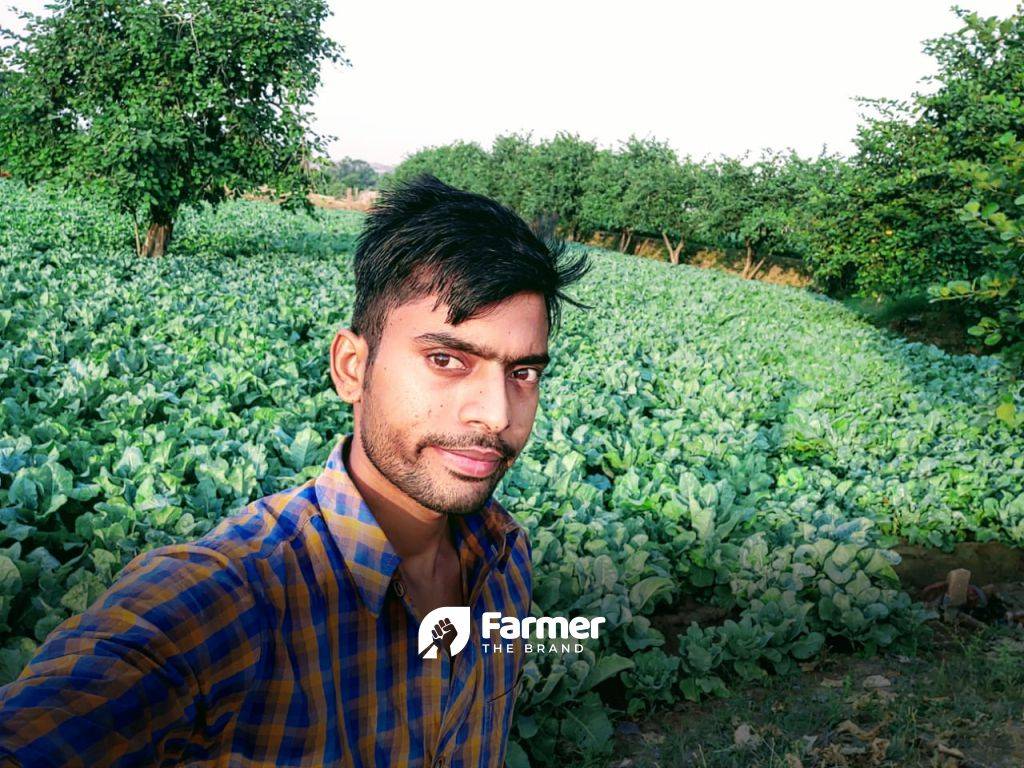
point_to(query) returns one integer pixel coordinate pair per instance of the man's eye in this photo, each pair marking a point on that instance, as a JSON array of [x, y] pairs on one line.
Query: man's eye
[[534, 371], [445, 360]]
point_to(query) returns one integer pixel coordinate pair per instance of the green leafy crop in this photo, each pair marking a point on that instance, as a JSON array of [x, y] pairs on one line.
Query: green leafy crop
[[752, 448]]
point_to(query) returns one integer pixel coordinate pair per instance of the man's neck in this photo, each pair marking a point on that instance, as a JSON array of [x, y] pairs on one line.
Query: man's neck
[[430, 564]]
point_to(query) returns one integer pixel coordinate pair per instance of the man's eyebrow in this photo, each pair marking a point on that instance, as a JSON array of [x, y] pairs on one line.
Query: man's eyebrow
[[454, 342]]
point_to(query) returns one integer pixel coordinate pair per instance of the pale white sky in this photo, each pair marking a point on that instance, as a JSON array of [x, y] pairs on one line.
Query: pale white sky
[[709, 78]]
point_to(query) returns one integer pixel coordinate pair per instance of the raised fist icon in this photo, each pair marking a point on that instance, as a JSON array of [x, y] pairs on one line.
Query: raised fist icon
[[447, 628], [444, 632]]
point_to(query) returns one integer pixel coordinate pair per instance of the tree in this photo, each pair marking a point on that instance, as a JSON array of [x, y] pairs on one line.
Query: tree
[[463, 165], [731, 198], [335, 178], [166, 102], [979, 108], [509, 174], [560, 167], [671, 198], [758, 207], [615, 192], [998, 293], [604, 191], [770, 228], [980, 81], [893, 224]]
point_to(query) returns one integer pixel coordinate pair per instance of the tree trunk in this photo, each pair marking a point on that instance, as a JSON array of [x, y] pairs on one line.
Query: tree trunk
[[625, 239], [673, 252], [159, 234], [749, 268]]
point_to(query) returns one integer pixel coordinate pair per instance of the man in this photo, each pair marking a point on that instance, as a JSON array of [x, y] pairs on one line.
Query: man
[[289, 634]]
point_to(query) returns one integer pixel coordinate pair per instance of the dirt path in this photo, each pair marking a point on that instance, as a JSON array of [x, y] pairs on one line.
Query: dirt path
[[958, 704]]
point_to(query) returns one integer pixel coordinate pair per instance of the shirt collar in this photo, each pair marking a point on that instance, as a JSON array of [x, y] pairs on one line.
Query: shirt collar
[[488, 534]]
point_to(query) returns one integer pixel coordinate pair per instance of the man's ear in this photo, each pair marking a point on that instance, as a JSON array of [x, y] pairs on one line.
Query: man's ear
[[348, 365]]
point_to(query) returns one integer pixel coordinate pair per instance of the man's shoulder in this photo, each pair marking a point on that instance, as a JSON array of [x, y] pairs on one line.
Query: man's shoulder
[[262, 526], [256, 531]]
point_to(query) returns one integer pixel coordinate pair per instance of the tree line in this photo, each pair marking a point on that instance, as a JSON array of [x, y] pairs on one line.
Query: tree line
[[641, 188], [929, 202], [165, 104]]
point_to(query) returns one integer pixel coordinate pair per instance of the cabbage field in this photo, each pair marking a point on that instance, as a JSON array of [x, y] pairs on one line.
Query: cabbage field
[[750, 447]]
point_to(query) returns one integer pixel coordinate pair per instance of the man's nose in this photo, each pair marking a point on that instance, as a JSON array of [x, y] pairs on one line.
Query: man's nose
[[488, 402]]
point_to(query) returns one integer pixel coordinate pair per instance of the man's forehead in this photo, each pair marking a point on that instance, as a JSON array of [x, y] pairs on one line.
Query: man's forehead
[[513, 330], [523, 311]]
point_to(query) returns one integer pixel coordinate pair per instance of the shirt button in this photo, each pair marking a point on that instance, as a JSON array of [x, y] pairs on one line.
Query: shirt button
[[399, 588]]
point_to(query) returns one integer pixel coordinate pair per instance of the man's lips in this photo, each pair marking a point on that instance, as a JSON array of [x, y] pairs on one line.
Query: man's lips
[[480, 454], [471, 461]]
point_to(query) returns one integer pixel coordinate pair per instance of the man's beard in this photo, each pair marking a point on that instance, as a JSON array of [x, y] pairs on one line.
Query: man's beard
[[411, 473]]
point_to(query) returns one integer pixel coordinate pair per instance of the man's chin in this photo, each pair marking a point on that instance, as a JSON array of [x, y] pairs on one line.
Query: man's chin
[[466, 496]]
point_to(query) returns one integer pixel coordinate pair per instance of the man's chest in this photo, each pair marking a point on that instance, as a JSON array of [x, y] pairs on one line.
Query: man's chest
[[342, 686]]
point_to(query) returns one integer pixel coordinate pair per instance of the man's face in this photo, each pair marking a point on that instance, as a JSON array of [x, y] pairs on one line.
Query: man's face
[[434, 388]]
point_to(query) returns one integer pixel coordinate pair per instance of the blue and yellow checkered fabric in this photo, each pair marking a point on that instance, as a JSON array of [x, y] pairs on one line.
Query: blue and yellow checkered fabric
[[283, 637]]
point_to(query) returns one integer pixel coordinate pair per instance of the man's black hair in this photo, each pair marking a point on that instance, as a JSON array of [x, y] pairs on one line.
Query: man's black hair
[[425, 237]]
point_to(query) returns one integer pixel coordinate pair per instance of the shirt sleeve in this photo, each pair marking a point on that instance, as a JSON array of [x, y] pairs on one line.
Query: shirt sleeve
[[150, 674]]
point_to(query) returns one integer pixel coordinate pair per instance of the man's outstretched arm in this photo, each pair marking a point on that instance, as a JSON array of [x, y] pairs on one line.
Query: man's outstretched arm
[[151, 672]]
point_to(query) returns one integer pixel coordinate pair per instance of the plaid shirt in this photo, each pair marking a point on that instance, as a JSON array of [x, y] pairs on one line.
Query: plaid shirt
[[282, 637]]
